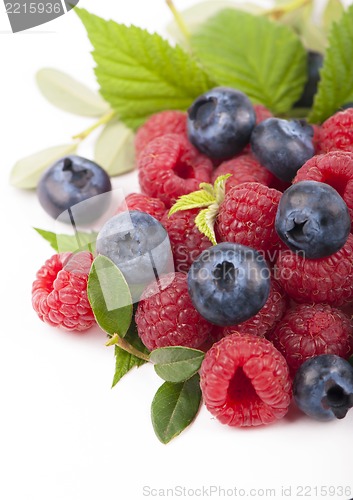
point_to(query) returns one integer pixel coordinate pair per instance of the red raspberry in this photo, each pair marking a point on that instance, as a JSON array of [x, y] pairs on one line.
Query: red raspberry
[[337, 132], [245, 381], [59, 294], [329, 279], [262, 113], [335, 169], [186, 240], [166, 316], [247, 216], [170, 167], [143, 203], [265, 320], [309, 330], [244, 168], [165, 122]]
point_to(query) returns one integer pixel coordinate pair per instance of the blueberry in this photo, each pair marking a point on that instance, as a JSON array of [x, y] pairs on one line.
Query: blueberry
[[282, 146], [138, 244], [70, 181], [220, 122], [312, 217], [323, 387], [314, 64], [229, 283]]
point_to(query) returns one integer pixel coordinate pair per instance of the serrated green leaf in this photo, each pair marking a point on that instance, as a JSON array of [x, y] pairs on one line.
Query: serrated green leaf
[[332, 13], [139, 73], [109, 296], [262, 58], [220, 187], [205, 221], [68, 94], [124, 361], [69, 242], [174, 407], [176, 364], [26, 172], [196, 199], [336, 84], [115, 148], [197, 14]]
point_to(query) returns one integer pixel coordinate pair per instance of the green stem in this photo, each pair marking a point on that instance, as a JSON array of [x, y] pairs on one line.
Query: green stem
[[126, 346], [278, 12], [179, 20], [102, 121]]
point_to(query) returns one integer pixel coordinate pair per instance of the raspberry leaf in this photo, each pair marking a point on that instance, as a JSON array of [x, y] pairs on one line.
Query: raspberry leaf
[[336, 84], [205, 222], [198, 199], [68, 94], [141, 73], [115, 148], [262, 58], [69, 242], [109, 296], [176, 364], [125, 361], [174, 407]]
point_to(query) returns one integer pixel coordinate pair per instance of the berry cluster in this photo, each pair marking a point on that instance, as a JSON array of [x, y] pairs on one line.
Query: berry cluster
[[266, 301]]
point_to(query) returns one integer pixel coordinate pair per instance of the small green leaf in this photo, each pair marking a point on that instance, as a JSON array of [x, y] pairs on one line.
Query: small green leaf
[[205, 221], [69, 242], [197, 199], [109, 296], [115, 148], [124, 361], [68, 94], [264, 59], [26, 172], [336, 84], [174, 407], [141, 73], [176, 364], [332, 13]]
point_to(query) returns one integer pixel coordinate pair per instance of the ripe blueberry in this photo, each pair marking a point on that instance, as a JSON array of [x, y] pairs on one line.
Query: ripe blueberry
[[220, 122], [323, 387], [138, 245], [229, 283], [314, 64], [312, 217], [70, 181], [282, 146]]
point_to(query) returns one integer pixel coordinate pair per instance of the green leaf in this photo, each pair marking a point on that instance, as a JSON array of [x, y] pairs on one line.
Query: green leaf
[[109, 296], [69, 242], [174, 407], [125, 361], [197, 199], [262, 58], [205, 221], [336, 84], [176, 364], [26, 172], [139, 73], [333, 11], [197, 14], [68, 94], [115, 148]]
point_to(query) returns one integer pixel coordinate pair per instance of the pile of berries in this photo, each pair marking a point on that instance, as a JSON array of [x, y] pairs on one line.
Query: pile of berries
[[268, 303]]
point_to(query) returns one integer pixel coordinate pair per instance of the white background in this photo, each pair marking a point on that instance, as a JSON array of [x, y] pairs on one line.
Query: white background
[[64, 433]]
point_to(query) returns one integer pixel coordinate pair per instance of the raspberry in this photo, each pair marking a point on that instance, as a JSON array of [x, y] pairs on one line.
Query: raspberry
[[329, 279], [186, 240], [265, 320], [143, 203], [337, 132], [244, 168], [247, 216], [165, 122], [245, 381], [165, 315], [59, 294], [262, 113], [308, 330], [170, 167], [335, 169]]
